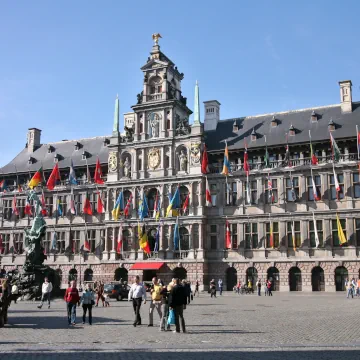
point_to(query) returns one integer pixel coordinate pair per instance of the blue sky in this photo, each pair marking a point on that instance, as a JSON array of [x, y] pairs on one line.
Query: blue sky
[[62, 63]]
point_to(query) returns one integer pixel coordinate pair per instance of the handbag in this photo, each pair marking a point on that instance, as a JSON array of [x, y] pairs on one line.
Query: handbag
[[92, 302], [171, 318]]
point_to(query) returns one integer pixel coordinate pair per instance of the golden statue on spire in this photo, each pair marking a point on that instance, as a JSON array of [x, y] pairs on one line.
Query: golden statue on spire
[[156, 38]]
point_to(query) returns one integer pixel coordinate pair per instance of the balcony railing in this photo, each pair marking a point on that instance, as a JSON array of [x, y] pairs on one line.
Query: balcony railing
[[183, 254], [124, 255], [217, 168], [155, 97], [152, 255]]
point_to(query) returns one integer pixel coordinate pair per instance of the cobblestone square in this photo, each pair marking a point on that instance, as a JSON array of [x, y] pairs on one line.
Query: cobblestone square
[[246, 326]]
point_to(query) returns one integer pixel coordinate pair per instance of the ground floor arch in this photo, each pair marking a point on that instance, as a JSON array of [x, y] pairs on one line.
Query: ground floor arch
[[295, 281], [180, 273], [121, 274], [274, 276], [231, 278], [341, 274], [251, 275], [73, 274], [317, 279], [88, 275]]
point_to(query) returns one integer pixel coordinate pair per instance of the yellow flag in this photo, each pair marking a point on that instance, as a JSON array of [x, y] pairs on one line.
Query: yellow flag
[[341, 235]]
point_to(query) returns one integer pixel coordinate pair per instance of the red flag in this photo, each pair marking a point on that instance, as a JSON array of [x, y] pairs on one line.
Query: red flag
[[73, 246], [98, 173], [54, 177], [43, 205], [186, 203], [119, 241], [87, 206], [228, 235], [128, 205], [86, 243], [14, 207], [100, 205], [28, 208], [208, 194], [205, 162], [246, 161], [1, 245]]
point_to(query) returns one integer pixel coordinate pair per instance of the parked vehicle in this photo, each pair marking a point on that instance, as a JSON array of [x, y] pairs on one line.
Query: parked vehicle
[[117, 291]]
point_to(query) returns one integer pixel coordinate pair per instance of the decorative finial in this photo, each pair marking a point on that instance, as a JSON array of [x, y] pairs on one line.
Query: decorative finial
[[197, 82], [156, 38]]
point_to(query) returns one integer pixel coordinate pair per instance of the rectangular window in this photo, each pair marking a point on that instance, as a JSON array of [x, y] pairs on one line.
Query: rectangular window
[[49, 201], [78, 203], [231, 193], [292, 189], [18, 243], [213, 192], [7, 209], [334, 195], [275, 228], [271, 196], [47, 242], [213, 229], [93, 202], [335, 235], [251, 235], [234, 243], [319, 227], [91, 238], [297, 234], [63, 203], [357, 229], [317, 180], [20, 203], [253, 192], [6, 243], [61, 242], [75, 241], [356, 184]]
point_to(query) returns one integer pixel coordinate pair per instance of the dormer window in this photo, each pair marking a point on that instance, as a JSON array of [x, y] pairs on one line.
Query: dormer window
[[56, 158], [235, 127], [314, 117], [331, 125], [106, 142], [84, 155], [50, 149], [291, 130], [253, 135], [274, 122], [31, 160], [77, 146]]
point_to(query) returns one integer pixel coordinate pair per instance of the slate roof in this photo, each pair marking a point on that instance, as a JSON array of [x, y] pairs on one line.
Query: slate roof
[[65, 149], [300, 119]]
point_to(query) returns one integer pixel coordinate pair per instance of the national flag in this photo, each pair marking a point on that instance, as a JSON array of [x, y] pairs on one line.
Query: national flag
[[335, 149], [72, 203], [246, 161], [186, 204], [271, 237], [15, 210], [86, 243], [87, 205], [54, 177], [144, 208], [3, 186], [2, 249], [341, 235], [54, 241], [36, 179], [119, 246], [317, 241], [44, 211], [157, 210], [228, 236], [358, 141], [100, 205], [205, 161], [59, 208], [314, 159], [118, 207], [270, 192], [177, 235], [174, 203], [315, 192], [337, 186], [266, 157], [27, 209], [293, 235], [156, 205], [143, 240], [128, 206], [72, 174], [248, 190], [226, 167], [157, 239], [98, 173], [208, 194]]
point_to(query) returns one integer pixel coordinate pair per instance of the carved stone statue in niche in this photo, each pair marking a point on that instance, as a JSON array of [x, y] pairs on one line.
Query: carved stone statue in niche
[[183, 160], [154, 123], [127, 168], [129, 134], [182, 126], [195, 153]]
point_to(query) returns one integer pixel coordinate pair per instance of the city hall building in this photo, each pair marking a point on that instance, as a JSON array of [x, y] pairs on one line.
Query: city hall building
[[270, 211]]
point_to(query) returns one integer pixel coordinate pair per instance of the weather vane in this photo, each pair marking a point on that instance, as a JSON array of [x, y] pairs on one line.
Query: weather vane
[[156, 38]]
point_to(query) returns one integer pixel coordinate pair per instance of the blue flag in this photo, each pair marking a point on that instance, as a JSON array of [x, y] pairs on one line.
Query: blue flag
[[54, 241], [59, 208], [144, 209], [72, 175], [176, 235]]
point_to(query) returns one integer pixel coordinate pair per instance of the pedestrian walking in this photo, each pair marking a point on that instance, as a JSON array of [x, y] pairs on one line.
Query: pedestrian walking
[[164, 307], [136, 294], [46, 290], [269, 288], [220, 284], [106, 300], [155, 302], [265, 287], [238, 287], [187, 287], [72, 298], [177, 301], [14, 293], [258, 286], [87, 300], [250, 288], [212, 288], [100, 294], [349, 289], [197, 285]]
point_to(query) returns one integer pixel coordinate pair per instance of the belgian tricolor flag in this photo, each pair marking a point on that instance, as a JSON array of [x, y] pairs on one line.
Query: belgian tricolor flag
[[36, 179]]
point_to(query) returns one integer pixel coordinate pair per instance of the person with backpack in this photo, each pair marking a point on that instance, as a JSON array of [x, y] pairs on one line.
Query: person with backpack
[[72, 298]]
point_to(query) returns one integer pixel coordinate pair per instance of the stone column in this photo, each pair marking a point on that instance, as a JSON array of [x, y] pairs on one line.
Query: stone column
[[170, 249], [106, 249], [113, 252], [142, 170], [171, 129], [162, 200], [135, 166], [136, 134], [281, 190], [163, 124], [161, 243], [200, 252], [171, 161], [200, 209], [133, 203], [108, 211], [348, 189], [133, 245], [191, 244]]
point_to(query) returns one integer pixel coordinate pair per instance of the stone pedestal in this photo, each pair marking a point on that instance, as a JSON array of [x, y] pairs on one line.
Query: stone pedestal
[[140, 255], [191, 254], [105, 255], [132, 255], [112, 255], [169, 254]]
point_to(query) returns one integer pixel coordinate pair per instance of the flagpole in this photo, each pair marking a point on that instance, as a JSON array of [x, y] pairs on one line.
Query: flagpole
[[357, 140], [178, 230]]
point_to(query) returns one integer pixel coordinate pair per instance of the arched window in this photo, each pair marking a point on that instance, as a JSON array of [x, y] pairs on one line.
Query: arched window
[[73, 275], [184, 239], [155, 85], [152, 197], [295, 281], [184, 192], [88, 275]]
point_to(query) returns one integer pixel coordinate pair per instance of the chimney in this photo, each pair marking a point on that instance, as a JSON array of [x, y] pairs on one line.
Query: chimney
[[212, 114], [33, 139], [345, 96]]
